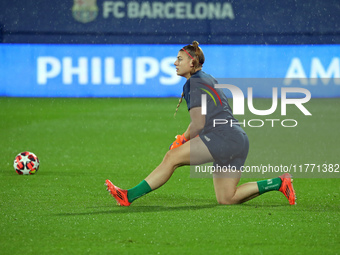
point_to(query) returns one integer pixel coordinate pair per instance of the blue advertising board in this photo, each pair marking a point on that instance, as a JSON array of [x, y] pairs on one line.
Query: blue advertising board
[[149, 71]]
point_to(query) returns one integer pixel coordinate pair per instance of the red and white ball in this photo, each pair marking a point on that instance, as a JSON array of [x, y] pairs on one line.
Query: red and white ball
[[26, 163]]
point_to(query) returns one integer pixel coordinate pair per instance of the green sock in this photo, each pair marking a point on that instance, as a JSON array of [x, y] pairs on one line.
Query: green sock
[[269, 185], [140, 190]]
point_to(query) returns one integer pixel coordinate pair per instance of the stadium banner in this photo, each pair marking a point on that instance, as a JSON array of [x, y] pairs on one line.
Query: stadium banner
[[168, 21], [149, 71]]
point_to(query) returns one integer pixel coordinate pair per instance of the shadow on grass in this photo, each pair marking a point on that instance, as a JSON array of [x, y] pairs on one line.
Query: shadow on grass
[[157, 208], [142, 209]]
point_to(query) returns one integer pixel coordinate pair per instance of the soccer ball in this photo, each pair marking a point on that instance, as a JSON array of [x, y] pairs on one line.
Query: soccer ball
[[26, 163]]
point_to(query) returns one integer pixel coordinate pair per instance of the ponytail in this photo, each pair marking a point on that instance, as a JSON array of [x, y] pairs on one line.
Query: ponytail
[[179, 103]]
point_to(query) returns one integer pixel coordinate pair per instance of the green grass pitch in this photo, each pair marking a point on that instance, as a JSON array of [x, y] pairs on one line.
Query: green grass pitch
[[65, 209]]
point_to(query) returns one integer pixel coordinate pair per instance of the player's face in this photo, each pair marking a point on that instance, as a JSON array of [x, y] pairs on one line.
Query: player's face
[[183, 65]]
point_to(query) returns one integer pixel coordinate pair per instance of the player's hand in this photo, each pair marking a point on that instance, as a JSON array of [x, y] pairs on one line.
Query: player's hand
[[180, 139]]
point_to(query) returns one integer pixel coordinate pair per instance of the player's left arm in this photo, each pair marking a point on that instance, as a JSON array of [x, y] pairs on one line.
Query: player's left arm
[[197, 123]]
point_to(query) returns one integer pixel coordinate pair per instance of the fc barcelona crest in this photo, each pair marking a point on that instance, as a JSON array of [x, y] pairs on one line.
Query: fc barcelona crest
[[85, 10]]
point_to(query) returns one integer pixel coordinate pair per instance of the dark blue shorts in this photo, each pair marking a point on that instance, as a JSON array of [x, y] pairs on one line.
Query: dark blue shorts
[[228, 146]]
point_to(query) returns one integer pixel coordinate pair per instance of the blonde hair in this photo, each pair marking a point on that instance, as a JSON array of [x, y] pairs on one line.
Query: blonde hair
[[179, 103], [196, 54]]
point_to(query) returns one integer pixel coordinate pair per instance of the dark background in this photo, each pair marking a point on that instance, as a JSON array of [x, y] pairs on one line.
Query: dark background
[[255, 22]]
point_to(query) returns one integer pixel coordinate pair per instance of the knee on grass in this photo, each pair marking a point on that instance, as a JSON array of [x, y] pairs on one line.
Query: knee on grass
[[227, 201]]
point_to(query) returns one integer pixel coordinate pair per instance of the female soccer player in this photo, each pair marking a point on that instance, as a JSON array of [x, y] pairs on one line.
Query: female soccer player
[[203, 142]]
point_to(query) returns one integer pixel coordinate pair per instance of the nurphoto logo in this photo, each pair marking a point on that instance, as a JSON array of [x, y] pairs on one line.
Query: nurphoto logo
[[238, 106]]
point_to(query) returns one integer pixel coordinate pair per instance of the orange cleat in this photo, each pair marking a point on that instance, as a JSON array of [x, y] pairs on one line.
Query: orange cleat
[[287, 188], [119, 194]]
